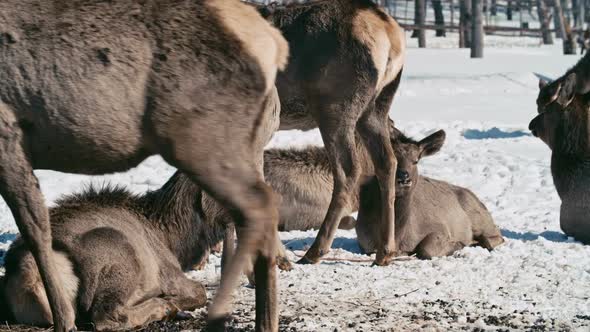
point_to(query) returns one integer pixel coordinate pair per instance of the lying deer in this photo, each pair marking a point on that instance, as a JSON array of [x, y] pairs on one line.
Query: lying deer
[[564, 127], [433, 218], [303, 179], [346, 59], [121, 257], [97, 86]]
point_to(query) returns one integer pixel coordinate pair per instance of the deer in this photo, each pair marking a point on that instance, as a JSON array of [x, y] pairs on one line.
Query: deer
[[433, 218], [121, 257], [303, 179], [562, 124], [95, 87], [345, 66]]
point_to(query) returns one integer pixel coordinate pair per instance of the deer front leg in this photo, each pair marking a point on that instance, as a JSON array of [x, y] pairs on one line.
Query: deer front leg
[[20, 189], [437, 244]]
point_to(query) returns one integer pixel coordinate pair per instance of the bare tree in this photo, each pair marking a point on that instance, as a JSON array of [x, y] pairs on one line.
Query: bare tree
[[439, 18], [477, 29], [465, 23], [509, 10], [544, 20]]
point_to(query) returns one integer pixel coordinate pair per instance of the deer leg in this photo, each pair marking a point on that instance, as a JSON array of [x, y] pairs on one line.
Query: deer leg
[[374, 131], [490, 242], [437, 244], [229, 244], [338, 134], [128, 317], [20, 189], [347, 223], [233, 180]]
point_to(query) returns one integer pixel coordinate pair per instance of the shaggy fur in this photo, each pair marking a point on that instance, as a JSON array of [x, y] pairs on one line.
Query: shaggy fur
[[346, 58], [125, 252], [91, 86], [567, 133]]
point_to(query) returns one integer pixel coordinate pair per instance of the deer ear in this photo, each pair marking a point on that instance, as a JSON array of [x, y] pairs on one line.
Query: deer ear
[[567, 91], [542, 83], [432, 144]]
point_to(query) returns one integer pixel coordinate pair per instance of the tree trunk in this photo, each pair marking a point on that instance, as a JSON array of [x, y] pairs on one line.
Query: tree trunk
[[416, 32], [542, 12], [421, 20], [477, 29], [465, 23], [558, 19], [509, 11], [569, 42], [494, 8], [439, 18]]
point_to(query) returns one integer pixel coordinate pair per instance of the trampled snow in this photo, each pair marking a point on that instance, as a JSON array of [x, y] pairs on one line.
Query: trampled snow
[[538, 279]]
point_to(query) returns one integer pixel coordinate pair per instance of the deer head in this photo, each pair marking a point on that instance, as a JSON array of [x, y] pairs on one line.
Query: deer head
[[408, 153]]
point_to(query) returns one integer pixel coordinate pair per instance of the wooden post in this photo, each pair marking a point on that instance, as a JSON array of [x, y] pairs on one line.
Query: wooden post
[[544, 20], [421, 20], [465, 23], [439, 18], [477, 29]]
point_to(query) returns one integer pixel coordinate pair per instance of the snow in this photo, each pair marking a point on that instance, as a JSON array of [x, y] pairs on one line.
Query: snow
[[538, 279]]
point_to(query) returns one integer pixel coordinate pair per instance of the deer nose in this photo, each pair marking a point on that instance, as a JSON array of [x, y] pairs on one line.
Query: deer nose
[[533, 126], [402, 176]]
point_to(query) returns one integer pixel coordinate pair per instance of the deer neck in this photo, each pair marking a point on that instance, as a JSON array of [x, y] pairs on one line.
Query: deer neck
[[173, 211], [403, 207], [572, 136]]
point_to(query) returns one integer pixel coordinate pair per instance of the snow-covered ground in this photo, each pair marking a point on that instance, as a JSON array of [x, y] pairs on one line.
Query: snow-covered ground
[[539, 279]]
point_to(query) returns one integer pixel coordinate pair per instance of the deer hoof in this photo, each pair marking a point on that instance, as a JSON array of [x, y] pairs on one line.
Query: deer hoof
[[284, 264], [217, 324], [306, 261]]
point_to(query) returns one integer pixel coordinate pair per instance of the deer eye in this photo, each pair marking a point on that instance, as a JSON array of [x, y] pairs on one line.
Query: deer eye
[[415, 162]]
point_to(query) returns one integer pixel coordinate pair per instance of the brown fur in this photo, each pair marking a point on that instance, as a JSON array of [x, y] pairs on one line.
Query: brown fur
[[97, 86], [303, 178], [567, 133], [433, 218], [344, 69], [119, 252]]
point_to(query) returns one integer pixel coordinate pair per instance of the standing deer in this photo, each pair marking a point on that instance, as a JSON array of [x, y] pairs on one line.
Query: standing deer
[[433, 218], [565, 128], [97, 86], [345, 65]]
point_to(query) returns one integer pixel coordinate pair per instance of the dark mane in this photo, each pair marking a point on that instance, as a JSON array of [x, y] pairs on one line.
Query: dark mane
[[174, 211], [107, 195]]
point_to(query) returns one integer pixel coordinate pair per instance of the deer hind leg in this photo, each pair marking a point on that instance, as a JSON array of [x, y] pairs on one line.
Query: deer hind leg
[[20, 189], [374, 131], [337, 126], [222, 163], [373, 127], [437, 244]]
